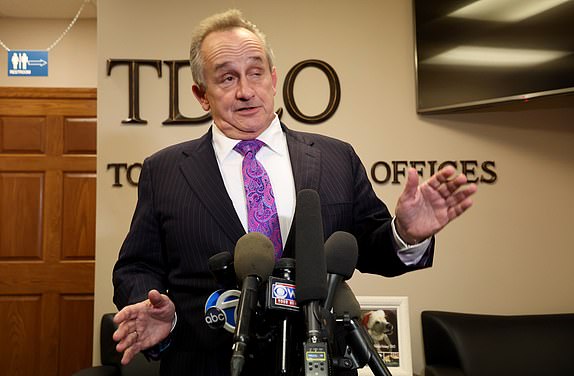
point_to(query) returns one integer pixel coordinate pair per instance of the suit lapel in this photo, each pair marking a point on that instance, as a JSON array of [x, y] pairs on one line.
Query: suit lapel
[[306, 166], [305, 160], [202, 174]]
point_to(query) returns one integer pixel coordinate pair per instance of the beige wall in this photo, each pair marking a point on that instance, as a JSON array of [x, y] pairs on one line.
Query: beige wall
[[509, 254], [72, 62]]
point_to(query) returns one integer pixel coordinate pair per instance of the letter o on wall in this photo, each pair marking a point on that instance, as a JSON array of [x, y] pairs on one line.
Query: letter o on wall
[[334, 91]]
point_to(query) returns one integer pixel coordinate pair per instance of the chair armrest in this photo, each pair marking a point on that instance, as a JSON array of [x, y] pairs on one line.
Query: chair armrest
[[109, 355]]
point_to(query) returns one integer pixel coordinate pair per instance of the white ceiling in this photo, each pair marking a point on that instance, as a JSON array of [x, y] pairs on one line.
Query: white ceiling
[[54, 9]]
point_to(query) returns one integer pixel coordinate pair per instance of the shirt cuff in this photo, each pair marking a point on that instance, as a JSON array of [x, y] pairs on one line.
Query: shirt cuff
[[174, 322], [409, 254], [154, 352]]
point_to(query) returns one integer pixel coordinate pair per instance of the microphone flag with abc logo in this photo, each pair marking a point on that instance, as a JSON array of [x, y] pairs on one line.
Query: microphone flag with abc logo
[[220, 309]]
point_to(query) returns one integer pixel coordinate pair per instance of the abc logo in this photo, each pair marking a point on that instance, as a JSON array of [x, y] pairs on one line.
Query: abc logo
[[220, 309], [215, 318]]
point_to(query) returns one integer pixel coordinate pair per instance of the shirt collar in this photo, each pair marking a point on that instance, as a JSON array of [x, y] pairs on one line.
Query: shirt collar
[[273, 137]]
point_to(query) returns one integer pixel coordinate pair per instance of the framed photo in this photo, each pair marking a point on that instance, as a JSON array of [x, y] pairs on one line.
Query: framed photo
[[386, 319]]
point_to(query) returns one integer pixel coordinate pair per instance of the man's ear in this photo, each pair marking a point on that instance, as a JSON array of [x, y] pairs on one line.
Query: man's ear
[[199, 93], [274, 80]]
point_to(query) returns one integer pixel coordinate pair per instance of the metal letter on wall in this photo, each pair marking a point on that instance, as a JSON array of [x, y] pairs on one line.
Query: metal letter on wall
[[334, 92], [175, 117], [134, 85]]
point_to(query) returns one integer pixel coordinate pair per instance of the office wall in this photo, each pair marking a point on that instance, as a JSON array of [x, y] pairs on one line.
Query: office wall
[[509, 254]]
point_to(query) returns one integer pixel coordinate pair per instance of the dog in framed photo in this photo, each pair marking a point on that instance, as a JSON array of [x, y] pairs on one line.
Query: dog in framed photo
[[380, 328]]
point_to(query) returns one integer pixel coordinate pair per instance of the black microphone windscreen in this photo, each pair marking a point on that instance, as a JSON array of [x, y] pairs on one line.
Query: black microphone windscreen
[[345, 302], [221, 267], [285, 263], [341, 253], [311, 276], [220, 261], [254, 255]]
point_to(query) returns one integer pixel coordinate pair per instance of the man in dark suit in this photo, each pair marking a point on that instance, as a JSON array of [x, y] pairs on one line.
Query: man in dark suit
[[192, 205]]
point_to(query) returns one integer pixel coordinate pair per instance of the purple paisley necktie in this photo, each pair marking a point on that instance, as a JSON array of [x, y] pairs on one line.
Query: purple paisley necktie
[[261, 210]]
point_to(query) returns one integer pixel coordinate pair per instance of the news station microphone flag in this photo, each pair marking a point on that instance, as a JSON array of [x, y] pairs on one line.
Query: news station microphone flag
[[221, 306]]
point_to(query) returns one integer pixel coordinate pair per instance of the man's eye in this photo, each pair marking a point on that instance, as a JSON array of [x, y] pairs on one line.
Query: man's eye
[[226, 78]]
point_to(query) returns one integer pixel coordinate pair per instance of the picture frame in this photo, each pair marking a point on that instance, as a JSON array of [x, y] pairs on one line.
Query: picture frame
[[392, 343]]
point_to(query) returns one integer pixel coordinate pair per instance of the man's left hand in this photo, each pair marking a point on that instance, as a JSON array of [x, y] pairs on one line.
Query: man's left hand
[[423, 210]]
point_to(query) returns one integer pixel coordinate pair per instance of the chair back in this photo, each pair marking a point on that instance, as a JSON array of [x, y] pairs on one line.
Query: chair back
[[482, 345]]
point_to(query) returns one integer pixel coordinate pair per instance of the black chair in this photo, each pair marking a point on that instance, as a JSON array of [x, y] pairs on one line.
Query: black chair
[[111, 359], [459, 344]]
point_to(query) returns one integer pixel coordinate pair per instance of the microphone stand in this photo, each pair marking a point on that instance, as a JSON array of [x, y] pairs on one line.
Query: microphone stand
[[362, 349], [242, 329], [287, 337]]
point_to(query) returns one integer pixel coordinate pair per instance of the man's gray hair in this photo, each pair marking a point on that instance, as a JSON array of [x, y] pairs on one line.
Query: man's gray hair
[[220, 22]]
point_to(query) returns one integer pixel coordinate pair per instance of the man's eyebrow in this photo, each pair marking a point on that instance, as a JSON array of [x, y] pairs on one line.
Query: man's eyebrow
[[257, 59], [222, 65]]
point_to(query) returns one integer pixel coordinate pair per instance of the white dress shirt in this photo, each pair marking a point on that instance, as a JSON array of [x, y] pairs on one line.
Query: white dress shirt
[[274, 156]]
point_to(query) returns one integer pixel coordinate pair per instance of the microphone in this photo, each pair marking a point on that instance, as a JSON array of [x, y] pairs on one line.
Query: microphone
[[220, 306], [341, 254], [254, 262], [221, 267], [311, 279], [282, 308], [280, 294], [348, 311]]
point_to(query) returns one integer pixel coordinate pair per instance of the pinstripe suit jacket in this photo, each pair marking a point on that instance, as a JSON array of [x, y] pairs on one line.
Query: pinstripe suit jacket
[[184, 215]]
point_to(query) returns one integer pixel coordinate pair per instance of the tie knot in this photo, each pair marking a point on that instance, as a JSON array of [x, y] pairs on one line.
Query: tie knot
[[247, 146]]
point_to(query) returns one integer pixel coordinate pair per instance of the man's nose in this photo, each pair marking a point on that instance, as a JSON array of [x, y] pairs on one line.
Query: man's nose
[[244, 89]]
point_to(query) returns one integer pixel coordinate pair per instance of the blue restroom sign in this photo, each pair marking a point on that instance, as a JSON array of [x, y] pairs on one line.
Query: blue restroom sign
[[27, 63]]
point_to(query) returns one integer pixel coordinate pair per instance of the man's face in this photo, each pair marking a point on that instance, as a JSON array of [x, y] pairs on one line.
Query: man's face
[[240, 86]]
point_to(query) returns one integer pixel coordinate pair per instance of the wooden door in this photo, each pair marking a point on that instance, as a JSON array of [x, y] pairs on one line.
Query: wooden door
[[47, 229]]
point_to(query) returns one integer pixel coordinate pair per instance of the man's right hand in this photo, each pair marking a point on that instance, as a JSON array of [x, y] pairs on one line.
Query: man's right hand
[[143, 325]]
